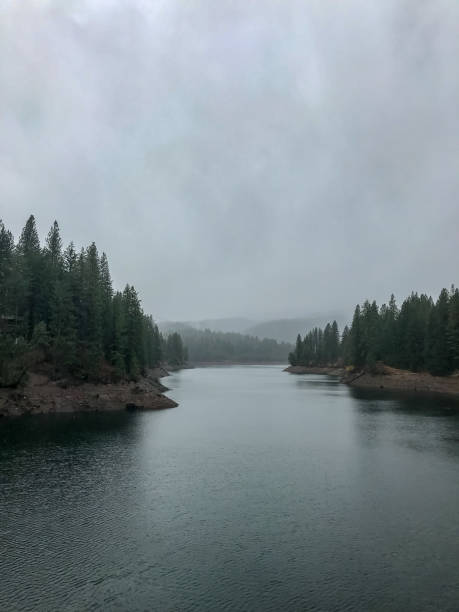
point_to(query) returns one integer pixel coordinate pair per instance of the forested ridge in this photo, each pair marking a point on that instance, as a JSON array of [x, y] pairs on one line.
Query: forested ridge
[[58, 307], [226, 347], [421, 335]]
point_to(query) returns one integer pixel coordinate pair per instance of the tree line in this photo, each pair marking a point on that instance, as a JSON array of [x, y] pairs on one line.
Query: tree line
[[58, 305], [220, 347], [421, 335], [174, 352]]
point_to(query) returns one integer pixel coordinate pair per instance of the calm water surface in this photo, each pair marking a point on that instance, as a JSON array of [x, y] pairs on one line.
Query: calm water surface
[[262, 491]]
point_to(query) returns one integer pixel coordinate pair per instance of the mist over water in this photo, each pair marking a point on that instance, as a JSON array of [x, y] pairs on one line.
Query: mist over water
[[262, 491]]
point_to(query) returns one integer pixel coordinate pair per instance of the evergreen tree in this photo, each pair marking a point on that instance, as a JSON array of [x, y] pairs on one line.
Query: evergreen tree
[[6, 271], [106, 292], [453, 328], [421, 335], [174, 352], [133, 324], [438, 348], [29, 302], [370, 336], [389, 341], [29, 243], [334, 343], [412, 332], [118, 335], [298, 354], [345, 346], [92, 298], [356, 340], [318, 347], [63, 326], [54, 246], [61, 305]]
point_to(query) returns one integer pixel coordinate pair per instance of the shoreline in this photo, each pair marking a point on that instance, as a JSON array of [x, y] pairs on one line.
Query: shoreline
[[208, 364], [327, 370], [389, 379], [40, 395]]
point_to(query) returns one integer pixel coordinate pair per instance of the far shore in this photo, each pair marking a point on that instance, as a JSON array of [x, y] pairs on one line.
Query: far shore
[[328, 370], [387, 378], [207, 364]]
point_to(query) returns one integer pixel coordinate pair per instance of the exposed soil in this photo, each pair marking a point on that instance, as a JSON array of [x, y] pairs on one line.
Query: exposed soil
[[385, 377], [403, 380], [40, 395]]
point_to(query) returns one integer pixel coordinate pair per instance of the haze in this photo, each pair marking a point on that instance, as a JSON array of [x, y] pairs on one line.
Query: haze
[[256, 159]]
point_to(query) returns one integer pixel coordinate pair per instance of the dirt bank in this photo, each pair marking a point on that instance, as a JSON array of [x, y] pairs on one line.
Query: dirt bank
[[403, 380], [388, 378], [40, 395]]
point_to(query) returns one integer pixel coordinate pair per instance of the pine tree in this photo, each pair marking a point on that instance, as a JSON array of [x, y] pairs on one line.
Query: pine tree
[[29, 243], [133, 354], [334, 343], [62, 303], [438, 354], [30, 303], [412, 330], [356, 340], [6, 270], [345, 346], [453, 328], [118, 335], [175, 350], [106, 291], [92, 299], [54, 246], [298, 354], [63, 326], [327, 344], [389, 342], [369, 324]]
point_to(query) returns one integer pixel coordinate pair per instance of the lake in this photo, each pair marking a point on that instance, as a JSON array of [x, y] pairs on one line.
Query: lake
[[261, 491]]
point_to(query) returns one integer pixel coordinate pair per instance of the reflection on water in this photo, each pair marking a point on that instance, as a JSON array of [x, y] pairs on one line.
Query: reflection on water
[[425, 404], [65, 429], [261, 491], [419, 422]]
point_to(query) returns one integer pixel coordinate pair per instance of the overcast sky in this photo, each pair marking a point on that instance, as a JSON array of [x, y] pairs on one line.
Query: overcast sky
[[254, 158]]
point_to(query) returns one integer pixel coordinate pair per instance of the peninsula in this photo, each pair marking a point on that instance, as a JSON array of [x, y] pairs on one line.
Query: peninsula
[[411, 348], [68, 341]]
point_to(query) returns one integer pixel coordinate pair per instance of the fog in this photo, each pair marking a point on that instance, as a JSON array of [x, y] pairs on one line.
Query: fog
[[239, 158]]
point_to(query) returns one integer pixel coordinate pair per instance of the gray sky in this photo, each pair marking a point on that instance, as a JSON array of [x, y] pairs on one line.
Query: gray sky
[[257, 158]]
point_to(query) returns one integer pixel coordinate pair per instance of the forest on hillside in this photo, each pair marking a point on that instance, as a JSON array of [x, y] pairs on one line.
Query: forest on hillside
[[226, 347], [58, 308], [421, 335]]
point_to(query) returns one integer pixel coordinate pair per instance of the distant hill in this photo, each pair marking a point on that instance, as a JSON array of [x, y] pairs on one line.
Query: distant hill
[[169, 327], [238, 325], [281, 330]]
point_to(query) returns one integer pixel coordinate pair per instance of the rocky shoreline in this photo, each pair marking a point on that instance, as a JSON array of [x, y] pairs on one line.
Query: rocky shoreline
[[40, 395], [387, 378]]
